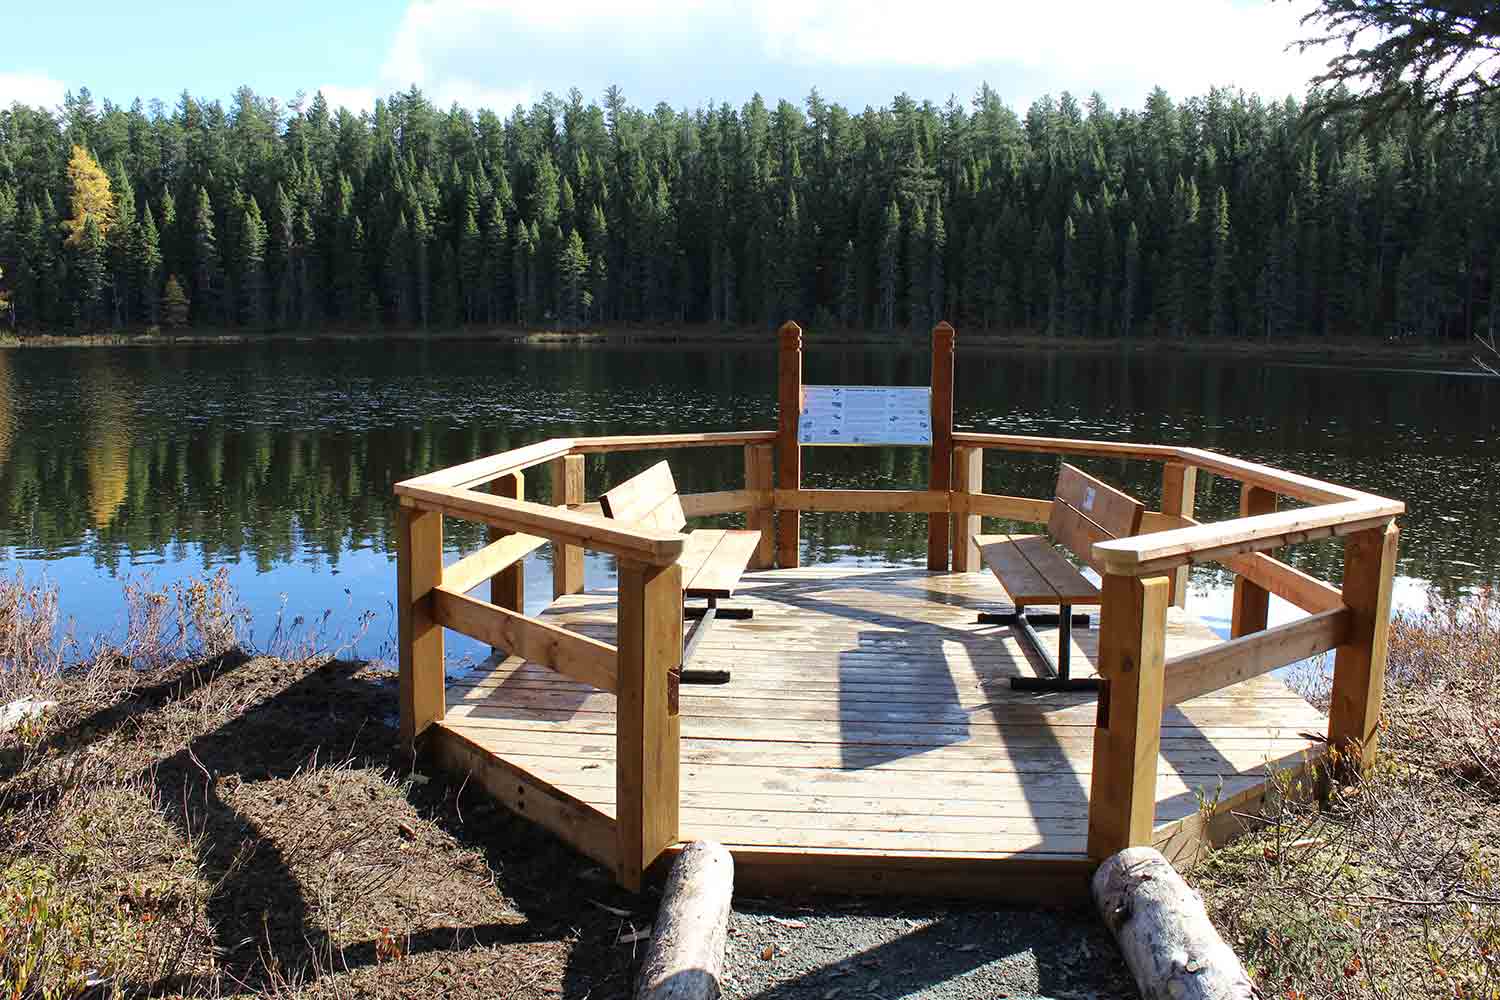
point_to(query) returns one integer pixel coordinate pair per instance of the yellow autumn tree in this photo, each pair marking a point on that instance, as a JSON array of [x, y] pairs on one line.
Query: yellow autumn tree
[[91, 194]]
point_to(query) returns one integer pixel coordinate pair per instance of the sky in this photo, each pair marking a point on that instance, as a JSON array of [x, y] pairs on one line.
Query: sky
[[497, 53]]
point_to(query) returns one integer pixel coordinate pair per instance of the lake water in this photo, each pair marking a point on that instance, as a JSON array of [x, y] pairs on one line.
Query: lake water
[[276, 460]]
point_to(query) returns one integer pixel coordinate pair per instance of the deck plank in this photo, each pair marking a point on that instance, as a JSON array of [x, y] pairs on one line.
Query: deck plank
[[870, 725]]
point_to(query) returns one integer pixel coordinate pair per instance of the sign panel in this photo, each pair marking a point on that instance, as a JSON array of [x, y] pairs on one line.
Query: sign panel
[[865, 414]]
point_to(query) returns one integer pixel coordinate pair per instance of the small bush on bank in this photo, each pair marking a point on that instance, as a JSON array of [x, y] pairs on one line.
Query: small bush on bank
[[1392, 887]]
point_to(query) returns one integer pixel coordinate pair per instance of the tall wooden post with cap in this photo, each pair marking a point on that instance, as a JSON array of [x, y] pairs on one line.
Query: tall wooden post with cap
[[789, 450], [940, 474]]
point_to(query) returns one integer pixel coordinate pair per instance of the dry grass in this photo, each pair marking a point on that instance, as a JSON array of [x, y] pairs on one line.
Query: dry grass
[[196, 820], [1392, 887]]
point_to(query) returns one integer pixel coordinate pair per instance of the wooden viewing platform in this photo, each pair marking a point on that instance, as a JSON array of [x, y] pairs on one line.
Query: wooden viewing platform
[[869, 739]]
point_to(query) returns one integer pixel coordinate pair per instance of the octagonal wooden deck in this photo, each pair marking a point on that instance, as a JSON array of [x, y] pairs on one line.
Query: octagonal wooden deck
[[869, 741]]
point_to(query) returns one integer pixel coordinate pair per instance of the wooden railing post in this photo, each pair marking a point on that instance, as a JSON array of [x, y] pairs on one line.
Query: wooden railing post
[[508, 587], [1252, 602], [789, 451], [940, 471], [648, 728], [1127, 735], [968, 479], [419, 569], [567, 560], [760, 461], [1359, 666], [1179, 494]]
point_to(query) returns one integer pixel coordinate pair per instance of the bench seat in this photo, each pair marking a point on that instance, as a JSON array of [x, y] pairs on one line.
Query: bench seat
[[713, 561], [1033, 571]]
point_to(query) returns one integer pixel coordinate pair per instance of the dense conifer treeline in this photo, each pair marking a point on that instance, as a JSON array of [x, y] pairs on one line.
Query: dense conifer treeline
[[1218, 215]]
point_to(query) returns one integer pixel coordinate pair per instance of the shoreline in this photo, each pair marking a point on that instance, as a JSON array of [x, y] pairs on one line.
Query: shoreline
[[1301, 349]]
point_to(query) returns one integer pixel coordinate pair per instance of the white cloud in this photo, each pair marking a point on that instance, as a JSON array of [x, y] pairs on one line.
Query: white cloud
[[35, 89], [495, 53]]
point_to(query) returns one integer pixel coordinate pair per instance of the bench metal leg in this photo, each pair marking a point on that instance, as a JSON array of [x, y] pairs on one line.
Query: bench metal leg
[[703, 620], [1057, 677]]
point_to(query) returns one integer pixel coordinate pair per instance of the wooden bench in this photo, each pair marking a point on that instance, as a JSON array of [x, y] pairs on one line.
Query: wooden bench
[[712, 560], [1033, 571]]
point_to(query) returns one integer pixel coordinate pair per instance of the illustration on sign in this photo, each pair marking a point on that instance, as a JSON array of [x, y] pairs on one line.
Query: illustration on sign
[[865, 414]]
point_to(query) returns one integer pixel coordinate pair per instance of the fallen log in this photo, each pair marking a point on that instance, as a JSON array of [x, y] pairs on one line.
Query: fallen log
[[1164, 932], [685, 960]]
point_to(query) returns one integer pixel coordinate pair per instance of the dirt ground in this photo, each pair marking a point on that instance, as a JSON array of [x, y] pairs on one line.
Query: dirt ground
[[243, 828]]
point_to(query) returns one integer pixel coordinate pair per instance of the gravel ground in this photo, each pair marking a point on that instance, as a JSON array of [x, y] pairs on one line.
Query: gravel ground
[[865, 951]]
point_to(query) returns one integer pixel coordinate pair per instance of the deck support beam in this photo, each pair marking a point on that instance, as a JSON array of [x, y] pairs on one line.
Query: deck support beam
[[648, 734], [419, 570], [1127, 736], [567, 560], [1359, 665]]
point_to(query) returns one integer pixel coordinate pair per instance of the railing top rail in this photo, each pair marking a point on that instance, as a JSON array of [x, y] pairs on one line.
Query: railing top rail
[[1146, 555], [1290, 484], [1064, 446], [490, 467], [558, 524], [646, 442]]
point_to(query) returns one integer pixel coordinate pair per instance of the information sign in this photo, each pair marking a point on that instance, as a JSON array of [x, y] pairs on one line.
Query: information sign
[[865, 414]]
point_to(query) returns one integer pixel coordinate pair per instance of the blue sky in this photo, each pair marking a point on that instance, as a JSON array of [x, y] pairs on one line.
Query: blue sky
[[496, 53]]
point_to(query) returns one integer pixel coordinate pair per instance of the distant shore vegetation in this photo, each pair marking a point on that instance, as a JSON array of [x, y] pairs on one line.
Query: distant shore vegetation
[[1222, 215]]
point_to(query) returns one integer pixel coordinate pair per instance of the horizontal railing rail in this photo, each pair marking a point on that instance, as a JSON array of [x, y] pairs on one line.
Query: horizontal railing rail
[[569, 653], [1219, 666]]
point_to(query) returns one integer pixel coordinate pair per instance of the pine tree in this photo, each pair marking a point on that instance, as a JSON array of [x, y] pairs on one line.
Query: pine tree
[[497, 263], [174, 304], [145, 263], [1221, 281], [523, 273], [937, 248], [848, 287], [1074, 290], [207, 278], [472, 254], [1185, 257], [89, 273], [252, 264], [398, 277], [918, 304], [1131, 281], [572, 269], [889, 265], [120, 243], [598, 252]]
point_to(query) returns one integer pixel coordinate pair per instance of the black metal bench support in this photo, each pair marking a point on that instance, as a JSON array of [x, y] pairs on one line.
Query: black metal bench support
[[703, 619], [1057, 677]]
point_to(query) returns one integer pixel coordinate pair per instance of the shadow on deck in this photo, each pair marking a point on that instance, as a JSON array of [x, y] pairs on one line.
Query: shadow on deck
[[869, 740]]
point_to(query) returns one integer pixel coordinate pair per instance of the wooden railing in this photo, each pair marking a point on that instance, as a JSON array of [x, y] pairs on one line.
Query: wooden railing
[[1142, 576]]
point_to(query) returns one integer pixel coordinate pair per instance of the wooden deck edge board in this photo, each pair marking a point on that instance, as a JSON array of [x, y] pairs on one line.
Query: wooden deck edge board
[[576, 822]]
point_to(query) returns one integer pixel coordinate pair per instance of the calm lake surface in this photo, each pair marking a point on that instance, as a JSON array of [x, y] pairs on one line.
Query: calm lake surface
[[277, 460]]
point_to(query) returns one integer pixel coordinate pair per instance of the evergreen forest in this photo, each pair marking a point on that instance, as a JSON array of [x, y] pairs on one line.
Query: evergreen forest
[[1223, 215]]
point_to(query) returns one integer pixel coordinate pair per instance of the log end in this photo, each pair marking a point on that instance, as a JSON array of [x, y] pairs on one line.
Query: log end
[[1163, 930], [685, 960]]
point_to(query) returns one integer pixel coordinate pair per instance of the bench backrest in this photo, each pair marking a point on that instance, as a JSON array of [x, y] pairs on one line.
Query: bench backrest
[[649, 499], [1086, 510]]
